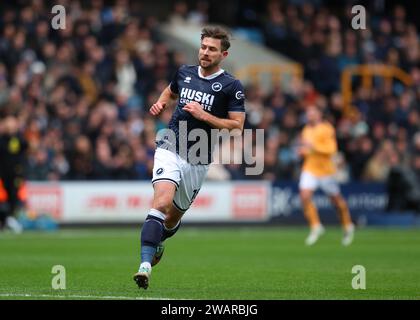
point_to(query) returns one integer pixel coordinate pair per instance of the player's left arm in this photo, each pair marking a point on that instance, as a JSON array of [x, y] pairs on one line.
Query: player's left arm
[[236, 111], [304, 147], [235, 120]]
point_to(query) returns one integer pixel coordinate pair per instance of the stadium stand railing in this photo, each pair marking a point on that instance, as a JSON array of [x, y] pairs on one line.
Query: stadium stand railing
[[367, 72]]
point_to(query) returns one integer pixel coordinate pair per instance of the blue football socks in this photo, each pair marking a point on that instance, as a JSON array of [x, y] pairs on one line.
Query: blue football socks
[[151, 235]]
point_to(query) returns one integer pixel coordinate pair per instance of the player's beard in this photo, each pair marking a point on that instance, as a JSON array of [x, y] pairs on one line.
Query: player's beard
[[208, 65]]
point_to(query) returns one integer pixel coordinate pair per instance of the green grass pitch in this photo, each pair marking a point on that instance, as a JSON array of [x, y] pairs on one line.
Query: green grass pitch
[[238, 263]]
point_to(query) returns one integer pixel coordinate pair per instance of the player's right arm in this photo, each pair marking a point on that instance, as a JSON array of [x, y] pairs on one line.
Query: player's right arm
[[166, 97], [304, 147]]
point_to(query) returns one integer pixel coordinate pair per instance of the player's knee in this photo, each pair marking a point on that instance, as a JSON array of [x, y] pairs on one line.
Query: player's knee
[[305, 197], [163, 204]]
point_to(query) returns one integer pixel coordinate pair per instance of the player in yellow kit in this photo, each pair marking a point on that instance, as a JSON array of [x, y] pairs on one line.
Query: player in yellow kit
[[318, 146]]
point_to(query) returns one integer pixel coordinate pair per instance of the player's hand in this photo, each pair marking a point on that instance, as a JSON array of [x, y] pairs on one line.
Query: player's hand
[[196, 110], [156, 108]]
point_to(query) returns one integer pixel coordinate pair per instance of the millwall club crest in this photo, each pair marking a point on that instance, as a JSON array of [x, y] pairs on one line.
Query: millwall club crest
[[217, 86]]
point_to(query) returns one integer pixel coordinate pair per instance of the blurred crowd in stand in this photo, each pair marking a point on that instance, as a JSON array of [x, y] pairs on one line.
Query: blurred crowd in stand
[[81, 94]]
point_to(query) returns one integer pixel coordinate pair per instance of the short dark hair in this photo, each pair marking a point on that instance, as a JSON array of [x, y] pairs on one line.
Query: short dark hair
[[217, 33]]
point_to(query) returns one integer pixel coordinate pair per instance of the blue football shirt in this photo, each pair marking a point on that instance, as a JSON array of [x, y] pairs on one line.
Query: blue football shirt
[[218, 94]]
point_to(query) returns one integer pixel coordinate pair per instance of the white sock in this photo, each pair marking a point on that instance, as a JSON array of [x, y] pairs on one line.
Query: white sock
[[146, 265], [316, 227]]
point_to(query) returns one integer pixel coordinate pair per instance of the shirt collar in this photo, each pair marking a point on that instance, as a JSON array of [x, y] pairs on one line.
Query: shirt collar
[[210, 77]]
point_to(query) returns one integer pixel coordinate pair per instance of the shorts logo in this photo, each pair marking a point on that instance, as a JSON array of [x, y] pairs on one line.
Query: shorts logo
[[159, 171], [239, 95], [217, 86]]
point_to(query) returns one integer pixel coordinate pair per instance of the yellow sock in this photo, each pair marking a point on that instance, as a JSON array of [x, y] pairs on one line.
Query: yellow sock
[[311, 214]]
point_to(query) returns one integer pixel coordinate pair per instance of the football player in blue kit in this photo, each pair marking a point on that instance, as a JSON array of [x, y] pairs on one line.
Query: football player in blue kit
[[207, 98]]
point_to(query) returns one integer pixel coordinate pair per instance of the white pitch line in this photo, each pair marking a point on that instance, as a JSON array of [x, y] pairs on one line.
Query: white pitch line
[[70, 296]]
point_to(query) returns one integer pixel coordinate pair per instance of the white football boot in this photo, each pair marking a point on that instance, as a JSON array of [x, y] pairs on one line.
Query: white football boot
[[348, 235], [142, 277], [314, 235]]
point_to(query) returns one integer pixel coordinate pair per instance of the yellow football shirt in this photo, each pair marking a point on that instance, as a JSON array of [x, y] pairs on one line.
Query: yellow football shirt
[[319, 161]]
